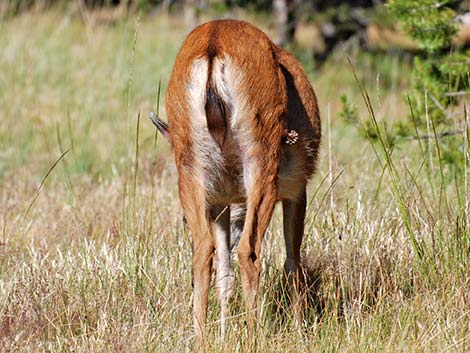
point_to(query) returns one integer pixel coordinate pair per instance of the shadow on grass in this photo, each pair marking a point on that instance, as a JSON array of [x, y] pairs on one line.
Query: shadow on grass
[[334, 287]]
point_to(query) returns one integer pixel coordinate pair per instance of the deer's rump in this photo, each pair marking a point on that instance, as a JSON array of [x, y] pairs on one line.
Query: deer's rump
[[236, 104]]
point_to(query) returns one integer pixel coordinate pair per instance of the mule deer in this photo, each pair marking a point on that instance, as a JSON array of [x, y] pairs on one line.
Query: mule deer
[[244, 126]]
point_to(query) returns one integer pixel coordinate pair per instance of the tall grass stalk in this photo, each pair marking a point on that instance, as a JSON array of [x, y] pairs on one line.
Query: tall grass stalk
[[395, 179], [442, 191], [136, 165], [330, 162], [129, 84], [41, 185], [129, 213], [421, 148], [466, 168], [152, 199]]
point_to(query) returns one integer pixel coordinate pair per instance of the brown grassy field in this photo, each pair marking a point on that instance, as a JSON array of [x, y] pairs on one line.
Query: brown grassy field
[[94, 256]]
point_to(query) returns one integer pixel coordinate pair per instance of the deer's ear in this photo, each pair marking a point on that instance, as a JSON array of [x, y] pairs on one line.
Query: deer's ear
[[161, 125]]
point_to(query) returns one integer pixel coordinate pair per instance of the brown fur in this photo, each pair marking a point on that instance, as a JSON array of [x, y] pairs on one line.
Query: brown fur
[[238, 155]]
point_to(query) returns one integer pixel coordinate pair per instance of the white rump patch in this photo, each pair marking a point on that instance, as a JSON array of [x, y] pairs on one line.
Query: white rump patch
[[196, 91], [230, 82], [208, 156]]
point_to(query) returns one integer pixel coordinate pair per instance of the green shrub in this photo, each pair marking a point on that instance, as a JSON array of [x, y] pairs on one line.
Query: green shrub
[[440, 79]]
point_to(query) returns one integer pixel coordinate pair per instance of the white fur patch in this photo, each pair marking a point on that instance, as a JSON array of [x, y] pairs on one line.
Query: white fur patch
[[196, 91], [230, 82], [207, 153]]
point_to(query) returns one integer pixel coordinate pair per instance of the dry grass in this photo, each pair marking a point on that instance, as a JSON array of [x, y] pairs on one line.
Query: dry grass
[[100, 266]]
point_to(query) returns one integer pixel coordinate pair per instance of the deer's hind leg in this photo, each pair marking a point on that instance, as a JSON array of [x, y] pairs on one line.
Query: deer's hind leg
[[261, 191], [293, 223], [224, 283], [197, 215]]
